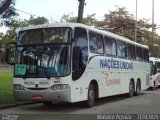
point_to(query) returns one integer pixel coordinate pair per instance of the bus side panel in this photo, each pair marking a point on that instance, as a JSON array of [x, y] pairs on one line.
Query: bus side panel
[[111, 77]]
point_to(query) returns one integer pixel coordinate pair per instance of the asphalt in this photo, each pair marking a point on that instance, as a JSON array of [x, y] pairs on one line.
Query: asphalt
[[5, 106]]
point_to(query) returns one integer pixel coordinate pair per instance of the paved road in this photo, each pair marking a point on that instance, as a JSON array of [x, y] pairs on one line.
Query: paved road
[[148, 102]]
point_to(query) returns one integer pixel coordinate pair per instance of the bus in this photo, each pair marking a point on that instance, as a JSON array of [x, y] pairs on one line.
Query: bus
[[73, 62], [154, 72]]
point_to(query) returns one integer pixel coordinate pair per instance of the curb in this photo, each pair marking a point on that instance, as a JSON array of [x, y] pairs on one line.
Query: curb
[[15, 105]]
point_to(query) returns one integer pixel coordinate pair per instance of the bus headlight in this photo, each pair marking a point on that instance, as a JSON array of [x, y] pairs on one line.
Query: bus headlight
[[18, 87], [59, 87]]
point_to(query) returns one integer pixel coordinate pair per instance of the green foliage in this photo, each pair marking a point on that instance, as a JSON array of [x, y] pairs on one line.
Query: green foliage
[[67, 18], [36, 21]]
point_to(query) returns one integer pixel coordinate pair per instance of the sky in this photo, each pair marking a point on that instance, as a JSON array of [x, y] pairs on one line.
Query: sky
[[55, 9]]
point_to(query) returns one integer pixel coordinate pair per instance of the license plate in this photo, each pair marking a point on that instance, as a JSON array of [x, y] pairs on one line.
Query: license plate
[[37, 97]]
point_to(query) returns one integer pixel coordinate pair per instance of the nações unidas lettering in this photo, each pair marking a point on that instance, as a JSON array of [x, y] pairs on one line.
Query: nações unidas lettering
[[115, 64]]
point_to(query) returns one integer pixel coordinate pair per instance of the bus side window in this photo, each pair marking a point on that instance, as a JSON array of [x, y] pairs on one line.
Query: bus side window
[[131, 51], [110, 46], [96, 42], [139, 55], [145, 55], [121, 49]]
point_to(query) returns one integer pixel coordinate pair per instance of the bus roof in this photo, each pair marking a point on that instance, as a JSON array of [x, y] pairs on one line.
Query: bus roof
[[91, 28]]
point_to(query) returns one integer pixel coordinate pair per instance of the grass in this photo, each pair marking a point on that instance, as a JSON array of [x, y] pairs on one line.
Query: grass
[[6, 86], [6, 89]]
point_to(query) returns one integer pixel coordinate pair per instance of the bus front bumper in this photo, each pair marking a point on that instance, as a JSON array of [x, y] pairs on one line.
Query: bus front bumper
[[43, 95]]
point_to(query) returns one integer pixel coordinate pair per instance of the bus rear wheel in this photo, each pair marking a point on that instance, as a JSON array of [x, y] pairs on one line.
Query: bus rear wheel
[[138, 88], [153, 87], [91, 96], [131, 88]]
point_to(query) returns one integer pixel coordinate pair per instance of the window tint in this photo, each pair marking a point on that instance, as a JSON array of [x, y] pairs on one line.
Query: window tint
[[121, 49], [131, 51], [145, 55], [158, 67], [96, 42], [110, 46], [139, 55]]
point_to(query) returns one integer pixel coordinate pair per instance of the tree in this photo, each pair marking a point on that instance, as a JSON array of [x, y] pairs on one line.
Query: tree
[[7, 12], [67, 18], [120, 22], [7, 8], [4, 5], [36, 21]]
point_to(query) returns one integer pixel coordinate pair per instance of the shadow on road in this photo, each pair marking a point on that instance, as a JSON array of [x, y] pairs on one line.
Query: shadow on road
[[69, 107], [115, 98]]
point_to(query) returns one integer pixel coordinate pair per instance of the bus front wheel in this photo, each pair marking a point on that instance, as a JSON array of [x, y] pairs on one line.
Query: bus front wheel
[[91, 96], [47, 103]]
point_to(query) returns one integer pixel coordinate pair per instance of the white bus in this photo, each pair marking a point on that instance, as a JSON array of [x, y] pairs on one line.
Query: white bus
[[71, 62], [154, 72]]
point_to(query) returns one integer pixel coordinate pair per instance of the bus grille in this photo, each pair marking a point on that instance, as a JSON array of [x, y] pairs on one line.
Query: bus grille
[[37, 88]]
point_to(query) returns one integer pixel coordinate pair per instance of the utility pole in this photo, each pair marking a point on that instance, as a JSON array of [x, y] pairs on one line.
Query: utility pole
[[153, 28], [135, 38], [80, 11]]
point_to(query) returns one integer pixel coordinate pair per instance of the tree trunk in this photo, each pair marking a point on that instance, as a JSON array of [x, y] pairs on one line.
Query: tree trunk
[[5, 5], [80, 11]]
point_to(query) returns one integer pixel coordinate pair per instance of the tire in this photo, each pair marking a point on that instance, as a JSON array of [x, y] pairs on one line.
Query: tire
[[47, 103], [91, 96], [131, 88], [153, 88], [138, 88]]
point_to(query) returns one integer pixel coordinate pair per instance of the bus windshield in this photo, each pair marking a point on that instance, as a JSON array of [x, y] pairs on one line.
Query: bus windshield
[[44, 35], [40, 61]]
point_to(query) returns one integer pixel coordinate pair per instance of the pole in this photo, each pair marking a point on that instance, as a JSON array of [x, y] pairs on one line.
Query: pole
[[136, 24], [80, 11], [153, 29]]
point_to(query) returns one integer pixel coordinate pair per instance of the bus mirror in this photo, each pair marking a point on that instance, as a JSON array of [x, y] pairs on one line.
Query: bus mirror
[[10, 47]]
